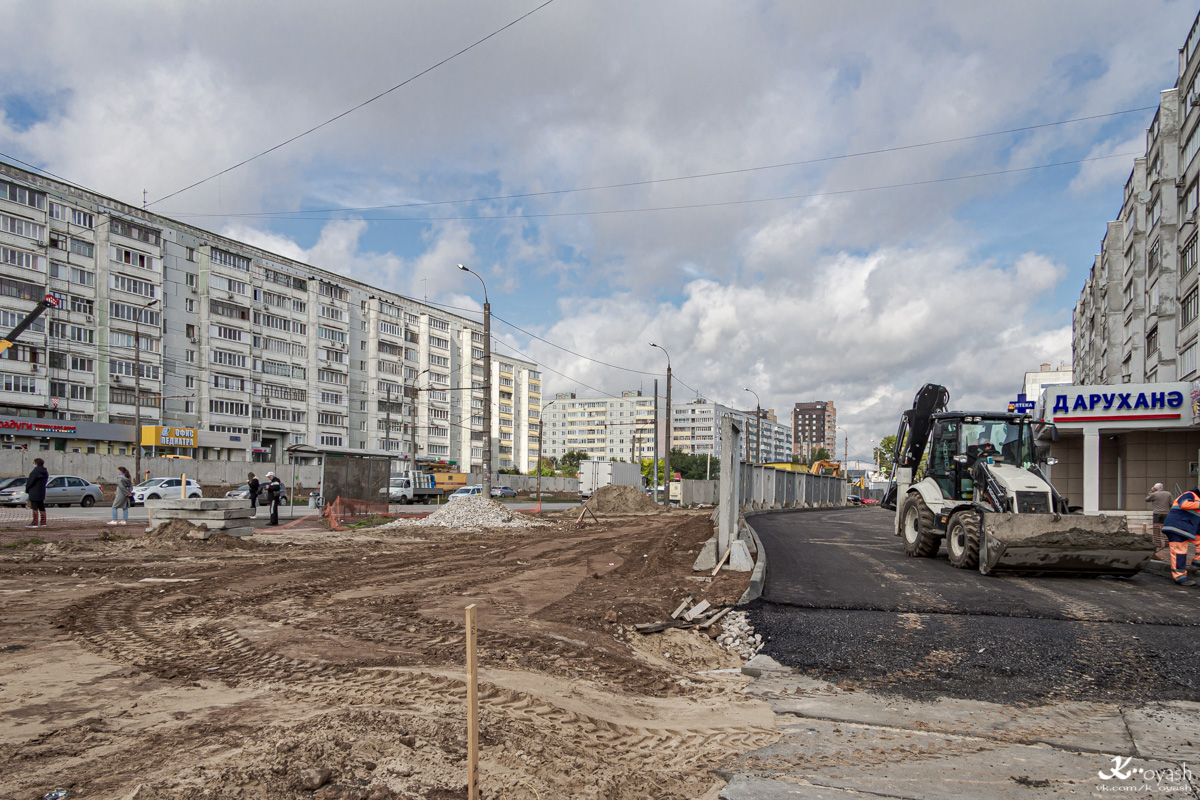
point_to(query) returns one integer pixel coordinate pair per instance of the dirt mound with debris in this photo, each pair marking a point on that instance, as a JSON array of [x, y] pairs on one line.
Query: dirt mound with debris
[[621, 500], [469, 513], [177, 533]]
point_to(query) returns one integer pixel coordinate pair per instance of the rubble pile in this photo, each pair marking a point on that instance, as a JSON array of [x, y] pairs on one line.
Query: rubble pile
[[738, 636], [614, 499], [468, 513]]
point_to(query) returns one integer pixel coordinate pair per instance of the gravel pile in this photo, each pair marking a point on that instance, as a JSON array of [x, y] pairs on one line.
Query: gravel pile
[[469, 513], [738, 636]]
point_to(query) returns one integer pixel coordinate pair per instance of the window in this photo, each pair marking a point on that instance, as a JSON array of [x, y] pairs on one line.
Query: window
[[82, 305], [132, 285], [439, 361], [1189, 307], [23, 352], [132, 230], [438, 341], [225, 332], [143, 316], [18, 383], [390, 328], [329, 312], [1187, 361], [327, 418], [82, 364], [331, 334], [334, 292], [20, 258], [331, 376], [1152, 340], [222, 309], [228, 358], [221, 283], [122, 255], [82, 248], [1187, 256], [229, 408], [439, 324], [22, 227], [336, 356], [333, 398], [330, 440], [228, 259], [19, 194]]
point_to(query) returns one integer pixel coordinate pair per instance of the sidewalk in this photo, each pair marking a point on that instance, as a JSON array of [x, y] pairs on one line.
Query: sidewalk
[[839, 743]]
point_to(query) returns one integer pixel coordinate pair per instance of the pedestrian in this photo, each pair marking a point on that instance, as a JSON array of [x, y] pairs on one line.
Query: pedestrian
[[253, 488], [35, 488], [1181, 525], [122, 497], [274, 496], [1161, 506]]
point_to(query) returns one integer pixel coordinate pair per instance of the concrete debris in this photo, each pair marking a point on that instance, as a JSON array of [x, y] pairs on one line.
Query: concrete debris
[[469, 513], [738, 636]]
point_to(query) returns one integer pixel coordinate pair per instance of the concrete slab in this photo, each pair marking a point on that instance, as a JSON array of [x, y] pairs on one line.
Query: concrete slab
[[202, 517], [235, 532], [707, 560], [760, 666], [1085, 727], [1169, 730], [740, 559], [744, 787], [196, 503]]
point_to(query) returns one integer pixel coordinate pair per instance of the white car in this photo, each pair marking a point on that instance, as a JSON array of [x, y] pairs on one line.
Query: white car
[[469, 491], [159, 488]]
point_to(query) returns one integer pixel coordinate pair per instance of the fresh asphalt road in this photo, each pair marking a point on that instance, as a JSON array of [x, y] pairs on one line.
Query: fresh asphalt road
[[844, 603]]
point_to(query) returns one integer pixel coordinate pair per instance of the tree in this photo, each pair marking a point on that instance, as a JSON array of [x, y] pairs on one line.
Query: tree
[[883, 453], [821, 455], [569, 463], [546, 469]]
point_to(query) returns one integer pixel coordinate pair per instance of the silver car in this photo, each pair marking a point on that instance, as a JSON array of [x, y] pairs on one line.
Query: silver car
[[61, 490], [158, 488]]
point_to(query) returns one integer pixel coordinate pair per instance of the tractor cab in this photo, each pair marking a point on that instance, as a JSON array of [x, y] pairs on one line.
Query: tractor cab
[[958, 440]]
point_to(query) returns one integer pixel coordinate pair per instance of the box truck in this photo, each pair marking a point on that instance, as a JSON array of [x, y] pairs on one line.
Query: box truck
[[596, 474]]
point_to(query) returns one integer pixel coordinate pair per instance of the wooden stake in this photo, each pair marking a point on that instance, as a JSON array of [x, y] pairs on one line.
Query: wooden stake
[[721, 563], [472, 709], [586, 510]]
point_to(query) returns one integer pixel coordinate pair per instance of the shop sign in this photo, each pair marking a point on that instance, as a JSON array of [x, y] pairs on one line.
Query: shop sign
[[168, 437], [11, 424], [1164, 402]]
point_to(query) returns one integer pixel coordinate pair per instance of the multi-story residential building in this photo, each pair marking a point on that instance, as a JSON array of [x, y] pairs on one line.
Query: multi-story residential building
[[814, 425], [614, 428], [1136, 319], [1046, 375], [697, 431], [170, 325]]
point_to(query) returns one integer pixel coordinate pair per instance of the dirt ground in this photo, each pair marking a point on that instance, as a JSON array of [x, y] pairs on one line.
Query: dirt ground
[[331, 665]]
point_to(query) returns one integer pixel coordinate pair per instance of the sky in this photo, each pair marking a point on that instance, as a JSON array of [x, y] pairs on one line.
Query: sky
[[812, 200]]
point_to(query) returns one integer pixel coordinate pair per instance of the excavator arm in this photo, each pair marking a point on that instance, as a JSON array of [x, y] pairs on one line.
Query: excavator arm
[[913, 434], [49, 301]]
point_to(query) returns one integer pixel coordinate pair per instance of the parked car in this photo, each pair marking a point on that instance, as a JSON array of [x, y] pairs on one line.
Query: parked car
[[469, 491], [61, 490], [12, 483], [853, 500], [503, 491], [158, 488]]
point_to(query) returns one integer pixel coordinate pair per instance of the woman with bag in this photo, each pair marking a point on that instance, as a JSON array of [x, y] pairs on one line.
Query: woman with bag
[[123, 497]]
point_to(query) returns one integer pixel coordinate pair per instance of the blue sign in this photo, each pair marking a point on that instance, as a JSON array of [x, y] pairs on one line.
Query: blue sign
[[1021, 406]]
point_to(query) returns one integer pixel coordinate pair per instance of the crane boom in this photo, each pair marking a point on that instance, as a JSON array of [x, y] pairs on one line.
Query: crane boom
[[49, 301]]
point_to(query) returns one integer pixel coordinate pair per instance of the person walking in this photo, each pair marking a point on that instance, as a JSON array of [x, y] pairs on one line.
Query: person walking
[[274, 496], [1160, 500], [35, 488], [1180, 527], [123, 496], [253, 486]]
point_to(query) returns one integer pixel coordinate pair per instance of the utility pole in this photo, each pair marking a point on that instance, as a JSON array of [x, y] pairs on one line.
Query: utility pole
[[670, 428], [387, 423], [657, 499]]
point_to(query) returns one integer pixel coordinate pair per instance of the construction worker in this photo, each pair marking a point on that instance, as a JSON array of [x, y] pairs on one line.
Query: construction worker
[[1180, 527]]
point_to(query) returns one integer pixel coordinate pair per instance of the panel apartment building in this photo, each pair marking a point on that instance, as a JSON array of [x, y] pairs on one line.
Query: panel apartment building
[[697, 431], [1136, 318], [614, 428], [169, 325]]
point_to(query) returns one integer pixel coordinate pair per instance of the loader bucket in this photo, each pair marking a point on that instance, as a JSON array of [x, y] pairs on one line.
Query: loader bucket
[[1067, 545]]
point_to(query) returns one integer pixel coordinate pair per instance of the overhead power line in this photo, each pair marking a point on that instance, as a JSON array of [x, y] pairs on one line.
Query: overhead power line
[[716, 203], [349, 111], [696, 176]]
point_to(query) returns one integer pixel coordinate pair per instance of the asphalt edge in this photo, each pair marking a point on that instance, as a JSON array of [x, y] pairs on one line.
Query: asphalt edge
[[758, 576]]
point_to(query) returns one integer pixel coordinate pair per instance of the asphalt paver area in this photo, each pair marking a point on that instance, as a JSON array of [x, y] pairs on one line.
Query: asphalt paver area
[[844, 604]]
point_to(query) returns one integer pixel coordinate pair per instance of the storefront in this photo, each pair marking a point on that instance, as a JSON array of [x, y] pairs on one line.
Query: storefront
[[36, 433], [1115, 442]]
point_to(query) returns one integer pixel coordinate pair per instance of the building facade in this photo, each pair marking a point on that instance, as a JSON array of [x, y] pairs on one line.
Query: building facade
[[814, 425], [163, 324], [1136, 320], [618, 428], [696, 430]]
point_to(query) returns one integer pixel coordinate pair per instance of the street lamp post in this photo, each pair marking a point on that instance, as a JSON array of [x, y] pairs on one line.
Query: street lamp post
[[412, 428], [487, 386], [670, 428], [541, 436], [757, 425], [137, 388]]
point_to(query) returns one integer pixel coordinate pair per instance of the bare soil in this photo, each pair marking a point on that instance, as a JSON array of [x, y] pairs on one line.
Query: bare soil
[[331, 665]]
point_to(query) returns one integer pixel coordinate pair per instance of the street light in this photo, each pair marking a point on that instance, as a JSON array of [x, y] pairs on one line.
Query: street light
[[412, 428], [541, 436], [757, 425], [670, 428], [137, 388], [845, 452], [487, 386]]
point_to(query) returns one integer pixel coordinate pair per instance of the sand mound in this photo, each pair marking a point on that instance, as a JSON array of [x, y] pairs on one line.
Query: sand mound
[[468, 513], [621, 500], [175, 533]]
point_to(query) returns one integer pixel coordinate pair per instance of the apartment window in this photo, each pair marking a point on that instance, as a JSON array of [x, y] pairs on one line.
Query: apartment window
[[22, 227], [82, 305], [1187, 256], [231, 408], [132, 230], [189, 305], [122, 255], [1189, 307], [1187, 361], [18, 383], [334, 292], [390, 328], [439, 361], [143, 316], [331, 376], [439, 324], [23, 352], [336, 420], [228, 358], [83, 364], [221, 283], [333, 398], [1153, 258], [1152, 340], [20, 258], [19, 194], [331, 334], [132, 285], [82, 248], [438, 341], [329, 312], [228, 259]]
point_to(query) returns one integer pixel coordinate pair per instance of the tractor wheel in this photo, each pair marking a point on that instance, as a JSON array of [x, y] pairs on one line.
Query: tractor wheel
[[87, 502], [917, 526], [962, 539]]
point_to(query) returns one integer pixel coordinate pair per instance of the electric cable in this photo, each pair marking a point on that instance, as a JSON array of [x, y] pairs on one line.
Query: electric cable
[[672, 179], [349, 111]]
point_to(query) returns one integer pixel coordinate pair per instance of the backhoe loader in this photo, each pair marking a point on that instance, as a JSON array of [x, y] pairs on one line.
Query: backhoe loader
[[984, 492]]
